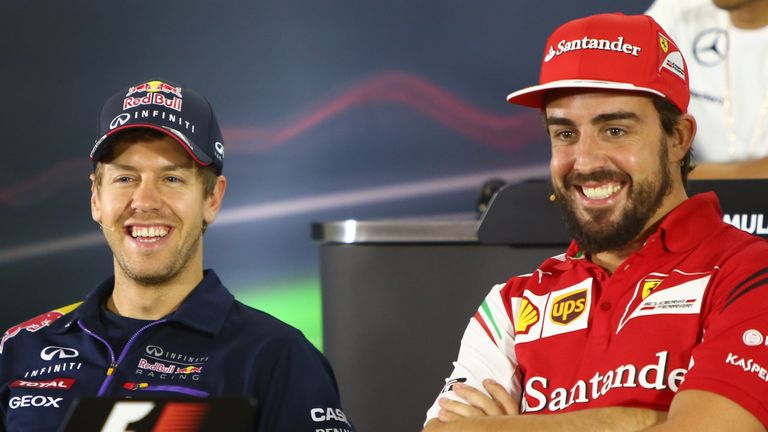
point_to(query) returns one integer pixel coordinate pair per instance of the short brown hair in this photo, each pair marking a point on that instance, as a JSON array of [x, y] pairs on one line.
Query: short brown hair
[[134, 135], [669, 115]]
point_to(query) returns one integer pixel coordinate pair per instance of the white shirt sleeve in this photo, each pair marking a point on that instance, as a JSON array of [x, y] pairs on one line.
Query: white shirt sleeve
[[487, 351]]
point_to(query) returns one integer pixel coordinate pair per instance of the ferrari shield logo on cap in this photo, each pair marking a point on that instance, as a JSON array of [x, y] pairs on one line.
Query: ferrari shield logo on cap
[[663, 43]]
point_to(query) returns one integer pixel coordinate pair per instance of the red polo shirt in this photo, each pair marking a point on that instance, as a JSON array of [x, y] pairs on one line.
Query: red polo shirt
[[688, 310]]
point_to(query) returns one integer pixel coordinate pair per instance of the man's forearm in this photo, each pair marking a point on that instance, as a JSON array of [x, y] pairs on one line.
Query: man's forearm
[[613, 419]]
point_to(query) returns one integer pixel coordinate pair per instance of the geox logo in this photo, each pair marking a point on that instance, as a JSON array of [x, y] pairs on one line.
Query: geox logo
[[527, 317], [751, 223], [568, 307], [588, 43]]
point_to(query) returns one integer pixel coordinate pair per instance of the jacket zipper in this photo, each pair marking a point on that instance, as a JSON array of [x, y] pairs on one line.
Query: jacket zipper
[[114, 363]]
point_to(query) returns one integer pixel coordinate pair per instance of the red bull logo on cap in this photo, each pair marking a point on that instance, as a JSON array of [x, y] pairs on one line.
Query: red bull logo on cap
[[37, 323], [152, 99], [189, 370], [154, 87]]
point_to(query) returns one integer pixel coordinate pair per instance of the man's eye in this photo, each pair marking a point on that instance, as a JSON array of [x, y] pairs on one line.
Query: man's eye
[[615, 132], [123, 179], [566, 134], [173, 179]]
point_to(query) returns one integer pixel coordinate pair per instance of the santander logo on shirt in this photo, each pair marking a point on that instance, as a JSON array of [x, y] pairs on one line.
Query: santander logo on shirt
[[540, 396]]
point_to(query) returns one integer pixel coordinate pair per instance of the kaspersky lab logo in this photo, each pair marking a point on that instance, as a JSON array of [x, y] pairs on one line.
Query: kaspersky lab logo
[[586, 42]]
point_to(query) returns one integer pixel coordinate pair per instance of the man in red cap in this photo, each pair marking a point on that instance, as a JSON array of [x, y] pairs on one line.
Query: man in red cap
[[655, 317]]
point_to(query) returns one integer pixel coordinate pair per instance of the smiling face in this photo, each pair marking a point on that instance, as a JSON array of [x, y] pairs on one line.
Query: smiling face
[[151, 202], [612, 171]]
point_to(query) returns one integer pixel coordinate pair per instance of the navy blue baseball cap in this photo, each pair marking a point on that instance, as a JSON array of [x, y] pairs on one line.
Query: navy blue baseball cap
[[178, 111]]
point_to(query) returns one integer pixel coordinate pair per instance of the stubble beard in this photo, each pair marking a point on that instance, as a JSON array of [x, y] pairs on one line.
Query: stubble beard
[[598, 233], [178, 261]]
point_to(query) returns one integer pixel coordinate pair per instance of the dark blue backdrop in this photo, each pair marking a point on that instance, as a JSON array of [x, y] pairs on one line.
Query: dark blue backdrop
[[330, 110]]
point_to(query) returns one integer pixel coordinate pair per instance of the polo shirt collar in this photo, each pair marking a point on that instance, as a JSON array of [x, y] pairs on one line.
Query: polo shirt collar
[[683, 228], [688, 224], [207, 306]]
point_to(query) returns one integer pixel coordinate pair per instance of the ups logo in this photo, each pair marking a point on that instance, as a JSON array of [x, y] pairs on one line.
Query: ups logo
[[568, 307]]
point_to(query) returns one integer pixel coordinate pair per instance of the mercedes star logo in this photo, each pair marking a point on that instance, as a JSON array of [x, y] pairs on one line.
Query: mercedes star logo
[[711, 46]]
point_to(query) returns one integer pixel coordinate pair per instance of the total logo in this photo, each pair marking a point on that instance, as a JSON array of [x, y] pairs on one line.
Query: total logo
[[56, 352], [55, 384], [34, 401], [753, 337]]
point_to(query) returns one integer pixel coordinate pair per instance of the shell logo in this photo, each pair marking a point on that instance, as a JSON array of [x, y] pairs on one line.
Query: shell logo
[[527, 316]]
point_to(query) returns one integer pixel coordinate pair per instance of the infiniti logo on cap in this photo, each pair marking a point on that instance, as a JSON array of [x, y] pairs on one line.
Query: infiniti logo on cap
[[50, 352], [119, 120]]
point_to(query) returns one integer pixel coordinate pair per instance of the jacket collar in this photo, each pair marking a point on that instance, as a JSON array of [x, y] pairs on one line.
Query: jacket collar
[[204, 309]]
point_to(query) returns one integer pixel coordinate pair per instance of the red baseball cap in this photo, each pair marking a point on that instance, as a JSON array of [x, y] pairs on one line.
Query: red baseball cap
[[614, 52]]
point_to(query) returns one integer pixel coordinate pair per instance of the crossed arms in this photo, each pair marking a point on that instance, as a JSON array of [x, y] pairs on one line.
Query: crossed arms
[[691, 410]]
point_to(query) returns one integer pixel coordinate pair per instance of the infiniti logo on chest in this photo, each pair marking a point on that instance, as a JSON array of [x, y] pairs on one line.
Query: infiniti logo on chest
[[51, 352], [154, 350]]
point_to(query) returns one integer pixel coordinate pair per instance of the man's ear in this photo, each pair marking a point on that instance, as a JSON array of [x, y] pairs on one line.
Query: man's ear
[[95, 202], [681, 140], [213, 201]]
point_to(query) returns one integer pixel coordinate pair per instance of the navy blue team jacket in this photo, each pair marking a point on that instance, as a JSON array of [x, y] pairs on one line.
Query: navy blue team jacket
[[212, 345]]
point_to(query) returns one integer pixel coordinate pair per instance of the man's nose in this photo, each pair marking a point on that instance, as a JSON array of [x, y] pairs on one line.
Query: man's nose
[[589, 155], [146, 197]]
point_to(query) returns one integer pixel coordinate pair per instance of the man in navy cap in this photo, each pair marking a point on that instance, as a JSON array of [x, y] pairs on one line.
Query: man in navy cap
[[162, 326]]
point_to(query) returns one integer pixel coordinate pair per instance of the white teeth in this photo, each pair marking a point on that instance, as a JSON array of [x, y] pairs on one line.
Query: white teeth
[[149, 232], [601, 192]]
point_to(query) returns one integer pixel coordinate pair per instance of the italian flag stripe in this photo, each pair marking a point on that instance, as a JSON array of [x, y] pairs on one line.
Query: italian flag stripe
[[482, 323], [487, 311]]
